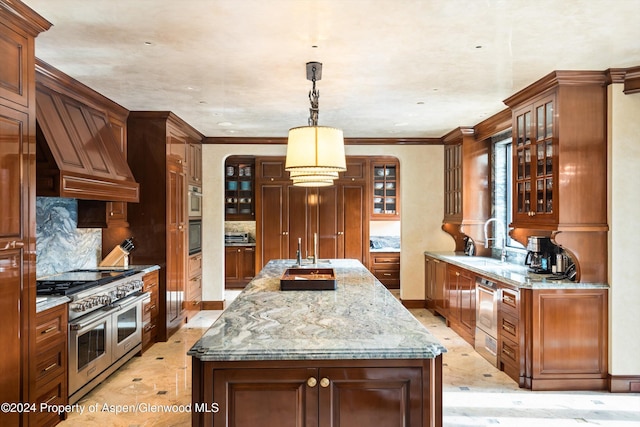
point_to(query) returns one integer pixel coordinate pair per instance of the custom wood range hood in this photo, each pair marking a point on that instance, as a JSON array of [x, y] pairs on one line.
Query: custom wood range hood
[[78, 153]]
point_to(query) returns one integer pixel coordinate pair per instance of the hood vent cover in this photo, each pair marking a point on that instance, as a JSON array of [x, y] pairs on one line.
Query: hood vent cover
[[77, 155]]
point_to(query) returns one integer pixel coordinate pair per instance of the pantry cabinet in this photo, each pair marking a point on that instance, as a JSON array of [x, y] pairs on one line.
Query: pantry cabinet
[[560, 166], [320, 394], [337, 215], [158, 223], [19, 26]]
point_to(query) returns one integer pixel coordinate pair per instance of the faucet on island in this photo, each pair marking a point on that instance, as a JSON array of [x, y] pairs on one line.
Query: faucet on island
[[503, 251]]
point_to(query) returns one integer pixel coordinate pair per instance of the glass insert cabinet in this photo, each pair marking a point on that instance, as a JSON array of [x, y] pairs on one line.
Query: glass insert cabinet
[[239, 201], [534, 161], [386, 191]]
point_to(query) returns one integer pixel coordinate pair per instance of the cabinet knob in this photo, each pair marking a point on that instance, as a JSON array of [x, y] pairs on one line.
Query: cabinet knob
[[324, 383], [457, 274], [110, 213], [340, 233], [311, 382], [285, 233], [238, 250]]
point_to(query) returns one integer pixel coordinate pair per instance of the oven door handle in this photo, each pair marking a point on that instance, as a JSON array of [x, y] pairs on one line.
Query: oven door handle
[[77, 326]]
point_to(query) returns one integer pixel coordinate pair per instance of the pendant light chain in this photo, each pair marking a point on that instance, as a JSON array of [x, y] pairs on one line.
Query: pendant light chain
[[314, 94]]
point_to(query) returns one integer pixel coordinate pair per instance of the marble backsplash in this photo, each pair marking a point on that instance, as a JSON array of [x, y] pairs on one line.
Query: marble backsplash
[[60, 245], [241, 227]]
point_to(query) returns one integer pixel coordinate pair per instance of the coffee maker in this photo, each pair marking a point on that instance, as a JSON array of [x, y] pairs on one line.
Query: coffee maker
[[540, 251]]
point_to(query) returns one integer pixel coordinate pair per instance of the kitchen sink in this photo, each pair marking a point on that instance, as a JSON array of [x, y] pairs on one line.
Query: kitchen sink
[[323, 263], [491, 264]]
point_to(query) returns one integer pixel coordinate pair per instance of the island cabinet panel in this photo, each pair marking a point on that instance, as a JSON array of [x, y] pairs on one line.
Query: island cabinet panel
[[317, 393], [569, 334]]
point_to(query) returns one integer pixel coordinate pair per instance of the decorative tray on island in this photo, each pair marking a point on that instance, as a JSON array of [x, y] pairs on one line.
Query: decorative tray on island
[[308, 279]]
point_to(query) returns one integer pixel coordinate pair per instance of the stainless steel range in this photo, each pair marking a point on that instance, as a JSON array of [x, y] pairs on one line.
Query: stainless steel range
[[105, 322]]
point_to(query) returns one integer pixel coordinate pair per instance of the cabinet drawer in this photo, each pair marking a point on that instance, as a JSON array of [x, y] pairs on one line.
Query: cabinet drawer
[[52, 393], [195, 265], [385, 260], [509, 327], [51, 326], [386, 274], [509, 352], [150, 309], [51, 362], [509, 301]]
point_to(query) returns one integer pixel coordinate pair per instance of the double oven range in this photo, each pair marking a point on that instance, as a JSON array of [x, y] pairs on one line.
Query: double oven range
[[105, 322]]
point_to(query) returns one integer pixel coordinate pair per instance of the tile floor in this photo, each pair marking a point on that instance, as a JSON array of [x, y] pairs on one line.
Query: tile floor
[[474, 392]]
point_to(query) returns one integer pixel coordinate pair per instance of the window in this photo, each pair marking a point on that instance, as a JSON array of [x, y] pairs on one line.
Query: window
[[502, 177]]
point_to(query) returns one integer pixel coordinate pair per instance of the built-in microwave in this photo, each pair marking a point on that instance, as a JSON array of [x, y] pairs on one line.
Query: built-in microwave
[[195, 201], [195, 236]]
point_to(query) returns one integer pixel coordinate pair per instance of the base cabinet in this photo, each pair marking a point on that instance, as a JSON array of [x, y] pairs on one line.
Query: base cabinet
[[150, 310], [297, 393], [386, 267], [461, 289], [50, 365], [435, 286], [239, 266]]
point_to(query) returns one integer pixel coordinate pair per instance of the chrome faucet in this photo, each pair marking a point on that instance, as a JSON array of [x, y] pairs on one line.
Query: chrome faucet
[[503, 252]]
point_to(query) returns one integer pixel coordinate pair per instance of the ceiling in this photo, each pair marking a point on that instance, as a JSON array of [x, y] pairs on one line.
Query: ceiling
[[391, 69]]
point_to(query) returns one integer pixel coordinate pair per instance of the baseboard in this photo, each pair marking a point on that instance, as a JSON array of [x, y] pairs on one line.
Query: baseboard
[[213, 305], [413, 303], [624, 383]]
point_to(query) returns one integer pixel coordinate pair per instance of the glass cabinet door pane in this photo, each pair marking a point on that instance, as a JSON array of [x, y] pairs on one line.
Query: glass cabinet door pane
[[549, 119], [520, 130], [527, 162], [549, 157], [540, 123], [527, 127]]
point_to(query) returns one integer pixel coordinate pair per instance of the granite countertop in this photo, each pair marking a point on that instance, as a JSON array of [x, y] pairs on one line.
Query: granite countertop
[[361, 319], [241, 244], [388, 249], [513, 274], [44, 303]]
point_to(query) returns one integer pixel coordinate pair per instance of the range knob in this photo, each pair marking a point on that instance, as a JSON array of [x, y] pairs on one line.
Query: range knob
[[78, 307]]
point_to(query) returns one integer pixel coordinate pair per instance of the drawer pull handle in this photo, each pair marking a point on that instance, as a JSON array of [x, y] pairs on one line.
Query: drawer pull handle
[[387, 274], [50, 367], [509, 328], [311, 382], [324, 383], [50, 329], [508, 352], [509, 299], [49, 400]]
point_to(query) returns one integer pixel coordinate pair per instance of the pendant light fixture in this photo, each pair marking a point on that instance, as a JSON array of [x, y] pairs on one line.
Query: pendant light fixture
[[315, 154]]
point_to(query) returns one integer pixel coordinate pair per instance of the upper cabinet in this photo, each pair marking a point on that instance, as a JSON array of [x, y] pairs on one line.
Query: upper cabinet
[[194, 163], [385, 189], [453, 182], [239, 203], [560, 164]]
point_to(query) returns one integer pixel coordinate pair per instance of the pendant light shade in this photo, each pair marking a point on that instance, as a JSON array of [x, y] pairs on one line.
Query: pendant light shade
[[315, 149], [315, 154]]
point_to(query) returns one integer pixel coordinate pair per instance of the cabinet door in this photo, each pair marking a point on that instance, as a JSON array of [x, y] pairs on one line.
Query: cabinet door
[[14, 277], [176, 240], [452, 294], [386, 190], [247, 271], [467, 295], [440, 288], [534, 160], [271, 227], [265, 397], [194, 163], [232, 263], [371, 397], [453, 182], [429, 282], [353, 224]]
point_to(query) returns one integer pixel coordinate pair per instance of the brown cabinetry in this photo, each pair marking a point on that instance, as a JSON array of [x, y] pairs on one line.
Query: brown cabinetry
[[158, 143], [194, 163], [466, 187], [239, 265], [337, 214], [386, 267], [150, 310], [388, 393], [559, 166], [19, 26], [510, 337], [461, 289], [193, 299], [50, 362], [385, 189], [239, 203], [435, 286]]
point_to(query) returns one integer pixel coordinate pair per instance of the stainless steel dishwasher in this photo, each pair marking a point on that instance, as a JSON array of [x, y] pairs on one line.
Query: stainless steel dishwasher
[[486, 342]]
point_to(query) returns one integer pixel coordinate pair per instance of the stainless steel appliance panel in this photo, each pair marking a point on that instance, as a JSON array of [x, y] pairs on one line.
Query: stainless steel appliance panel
[[486, 343]]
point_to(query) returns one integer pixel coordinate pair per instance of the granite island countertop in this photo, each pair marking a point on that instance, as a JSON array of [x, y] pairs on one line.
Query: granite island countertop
[[514, 274], [361, 319]]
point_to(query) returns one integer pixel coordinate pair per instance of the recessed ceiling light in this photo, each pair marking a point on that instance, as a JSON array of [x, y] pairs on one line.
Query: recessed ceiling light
[[420, 102], [315, 46], [478, 47], [148, 43]]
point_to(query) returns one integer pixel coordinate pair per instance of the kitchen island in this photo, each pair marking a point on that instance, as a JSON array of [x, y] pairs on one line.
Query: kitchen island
[[353, 356]]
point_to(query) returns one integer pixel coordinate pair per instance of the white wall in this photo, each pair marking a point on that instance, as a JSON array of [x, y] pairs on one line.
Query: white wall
[[421, 181], [624, 235]]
